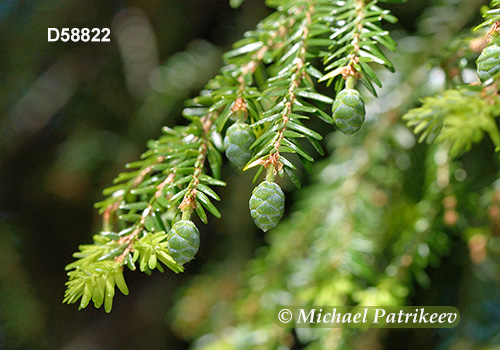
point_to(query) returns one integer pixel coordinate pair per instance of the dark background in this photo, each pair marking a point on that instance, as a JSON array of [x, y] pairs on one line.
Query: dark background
[[72, 114]]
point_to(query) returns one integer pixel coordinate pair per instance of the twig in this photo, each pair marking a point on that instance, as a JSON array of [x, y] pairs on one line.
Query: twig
[[130, 239]]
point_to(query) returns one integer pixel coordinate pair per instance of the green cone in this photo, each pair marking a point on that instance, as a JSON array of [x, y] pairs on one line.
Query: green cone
[[183, 241], [267, 205], [488, 63], [239, 138], [349, 111]]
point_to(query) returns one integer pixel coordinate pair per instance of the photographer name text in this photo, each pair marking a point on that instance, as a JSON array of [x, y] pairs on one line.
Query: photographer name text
[[370, 317]]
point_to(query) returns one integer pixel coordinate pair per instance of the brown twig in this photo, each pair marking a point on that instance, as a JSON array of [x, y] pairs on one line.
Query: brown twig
[[111, 209], [189, 200], [273, 158], [349, 70], [130, 239], [251, 66], [494, 29]]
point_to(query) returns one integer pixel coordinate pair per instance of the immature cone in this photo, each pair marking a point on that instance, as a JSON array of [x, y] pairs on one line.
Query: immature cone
[[267, 205], [183, 241], [349, 111], [239, 138], [488, 63]]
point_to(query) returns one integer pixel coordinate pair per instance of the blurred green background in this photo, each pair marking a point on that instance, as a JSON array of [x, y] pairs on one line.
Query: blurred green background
[[72, 114]]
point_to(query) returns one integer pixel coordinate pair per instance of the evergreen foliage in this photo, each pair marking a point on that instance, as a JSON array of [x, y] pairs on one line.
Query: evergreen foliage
[[381, 212], [269, 85], [363, 233], [459, 117]]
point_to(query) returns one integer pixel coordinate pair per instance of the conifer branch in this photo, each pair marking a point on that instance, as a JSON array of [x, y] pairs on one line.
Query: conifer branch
[[108, 211], [251, 66], [130, 239], [356, 38], [189, 201], [349, 70], [460, 117], [258, 103], [291, 97]]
